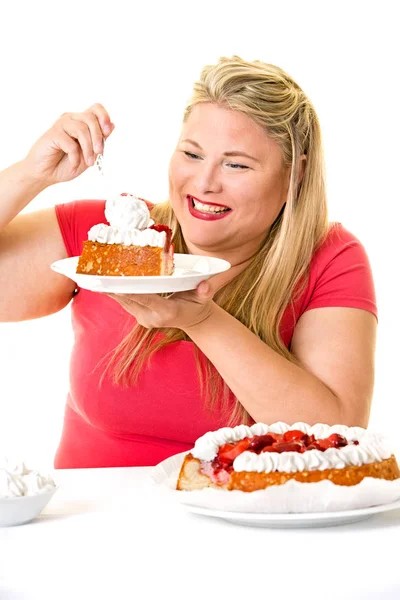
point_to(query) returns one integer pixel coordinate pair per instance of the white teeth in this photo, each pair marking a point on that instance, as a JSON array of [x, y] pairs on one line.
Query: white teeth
[[207, 207]]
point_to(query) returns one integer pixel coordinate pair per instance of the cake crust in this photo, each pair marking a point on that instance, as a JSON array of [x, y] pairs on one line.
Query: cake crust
[[120, 260], [191, 476]]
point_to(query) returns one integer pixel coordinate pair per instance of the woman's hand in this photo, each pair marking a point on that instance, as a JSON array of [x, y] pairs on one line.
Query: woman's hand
[[69, 147], [182, 310]]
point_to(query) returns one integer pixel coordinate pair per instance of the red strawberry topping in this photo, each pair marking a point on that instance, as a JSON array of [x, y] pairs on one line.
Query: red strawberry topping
[[258, 442], [268, 449], [295, 435], [321, 444], [337, 440], [291, 441], [228, 452], [158, 227], [294, 446]]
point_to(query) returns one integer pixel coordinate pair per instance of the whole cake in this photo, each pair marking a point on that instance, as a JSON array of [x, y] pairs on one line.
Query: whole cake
[[130, 245], [253, 458]]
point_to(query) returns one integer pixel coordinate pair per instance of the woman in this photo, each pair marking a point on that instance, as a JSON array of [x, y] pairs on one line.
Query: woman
[[288, 333]]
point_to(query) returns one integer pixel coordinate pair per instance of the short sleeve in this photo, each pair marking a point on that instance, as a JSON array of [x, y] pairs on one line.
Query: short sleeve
[[75, 219], [341, 274]]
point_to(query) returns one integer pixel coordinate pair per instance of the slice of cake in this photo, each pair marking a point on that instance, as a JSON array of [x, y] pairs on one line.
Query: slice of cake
[[253, 458], [130, 245]]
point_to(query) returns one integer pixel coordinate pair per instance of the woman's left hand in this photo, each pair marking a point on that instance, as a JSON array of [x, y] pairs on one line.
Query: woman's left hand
[[182, 310]]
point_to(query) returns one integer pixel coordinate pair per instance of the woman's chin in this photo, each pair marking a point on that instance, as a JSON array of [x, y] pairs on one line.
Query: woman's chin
[[200, 245], [200, 237]]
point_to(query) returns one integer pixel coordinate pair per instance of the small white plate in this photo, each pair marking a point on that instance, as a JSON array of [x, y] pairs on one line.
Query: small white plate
[[277, 520], [190, 270], [22, 509]]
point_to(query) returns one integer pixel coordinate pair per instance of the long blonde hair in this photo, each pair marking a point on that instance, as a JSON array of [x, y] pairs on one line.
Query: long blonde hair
[[259, 295]]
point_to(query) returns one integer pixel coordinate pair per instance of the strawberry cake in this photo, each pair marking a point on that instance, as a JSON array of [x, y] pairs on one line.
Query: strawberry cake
[[253, 458], [130, 245]]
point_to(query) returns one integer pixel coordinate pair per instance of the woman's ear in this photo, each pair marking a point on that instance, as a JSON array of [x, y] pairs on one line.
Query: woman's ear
[[302, 166]]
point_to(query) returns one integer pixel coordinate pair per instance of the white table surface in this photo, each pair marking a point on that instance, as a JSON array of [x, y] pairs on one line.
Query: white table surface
[[109, 533]]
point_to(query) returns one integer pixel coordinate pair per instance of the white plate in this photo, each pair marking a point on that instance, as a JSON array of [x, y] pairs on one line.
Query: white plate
[[190, 270], [278, 520], [22, 509], [292, 504]]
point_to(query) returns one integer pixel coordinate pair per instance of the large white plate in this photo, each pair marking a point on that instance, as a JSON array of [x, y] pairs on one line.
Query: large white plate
[[190, 270], [278, 520], [292, 504]]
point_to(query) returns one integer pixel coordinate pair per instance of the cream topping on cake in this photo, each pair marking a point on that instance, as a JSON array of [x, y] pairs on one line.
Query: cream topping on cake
[[107, 234], [129, 220], [17, 480], [126, 211], [371, 447]]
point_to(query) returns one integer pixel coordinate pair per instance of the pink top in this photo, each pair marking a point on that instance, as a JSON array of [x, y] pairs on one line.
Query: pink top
[[164, 414]]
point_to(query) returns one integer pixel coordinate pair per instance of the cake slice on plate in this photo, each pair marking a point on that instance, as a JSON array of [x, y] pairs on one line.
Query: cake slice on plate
[[131, 245]]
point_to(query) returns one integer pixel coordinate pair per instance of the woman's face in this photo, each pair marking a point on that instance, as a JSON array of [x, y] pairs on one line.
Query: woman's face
[[227, 182]]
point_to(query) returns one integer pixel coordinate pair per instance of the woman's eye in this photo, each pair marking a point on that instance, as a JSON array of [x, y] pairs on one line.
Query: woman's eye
[[190, 154], [237, 166]]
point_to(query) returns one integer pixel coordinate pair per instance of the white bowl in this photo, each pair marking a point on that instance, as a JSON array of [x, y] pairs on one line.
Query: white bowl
[[22, 509]]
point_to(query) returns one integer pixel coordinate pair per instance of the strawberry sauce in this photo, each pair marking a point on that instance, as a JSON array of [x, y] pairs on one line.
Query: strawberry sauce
[[291, 441]]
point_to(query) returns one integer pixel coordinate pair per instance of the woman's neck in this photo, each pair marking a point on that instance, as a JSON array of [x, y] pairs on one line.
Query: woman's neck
[[238, 258]]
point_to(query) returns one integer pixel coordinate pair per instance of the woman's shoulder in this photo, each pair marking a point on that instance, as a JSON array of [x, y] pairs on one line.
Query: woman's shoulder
[[339, 245], [340, 273], [338, 236]]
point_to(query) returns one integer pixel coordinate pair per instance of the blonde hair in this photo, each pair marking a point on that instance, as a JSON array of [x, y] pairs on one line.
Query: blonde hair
[[259, 295]]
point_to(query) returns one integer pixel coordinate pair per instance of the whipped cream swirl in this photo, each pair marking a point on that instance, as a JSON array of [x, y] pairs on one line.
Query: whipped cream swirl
[[371, 447], [126, 211], [16, 480], [107, 234], [129, 220]]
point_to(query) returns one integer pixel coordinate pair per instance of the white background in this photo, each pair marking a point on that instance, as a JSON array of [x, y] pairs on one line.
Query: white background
[[140, 61]]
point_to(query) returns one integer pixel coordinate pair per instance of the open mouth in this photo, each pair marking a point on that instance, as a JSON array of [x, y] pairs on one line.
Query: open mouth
[[208, 211]]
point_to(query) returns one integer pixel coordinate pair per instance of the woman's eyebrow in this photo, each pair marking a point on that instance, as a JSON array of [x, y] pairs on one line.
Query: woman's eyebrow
[[240, 153], [231, 153], [193, 142]]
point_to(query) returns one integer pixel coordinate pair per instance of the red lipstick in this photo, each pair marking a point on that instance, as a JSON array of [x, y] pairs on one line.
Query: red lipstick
[[210, 216]]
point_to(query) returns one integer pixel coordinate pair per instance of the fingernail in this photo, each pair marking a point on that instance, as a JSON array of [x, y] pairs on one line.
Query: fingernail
[[106, 130], [203, 288], [90, 161]]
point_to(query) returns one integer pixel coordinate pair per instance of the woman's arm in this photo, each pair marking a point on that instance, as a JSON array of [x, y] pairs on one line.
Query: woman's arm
[[30, 242], [17, 188], [334, 384], [335, 348]]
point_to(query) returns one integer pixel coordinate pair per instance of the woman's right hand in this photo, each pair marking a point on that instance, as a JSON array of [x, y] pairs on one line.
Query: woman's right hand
[[69, 147]]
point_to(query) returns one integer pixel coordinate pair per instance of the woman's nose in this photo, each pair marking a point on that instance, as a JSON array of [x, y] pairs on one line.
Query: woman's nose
[[208, 179]]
